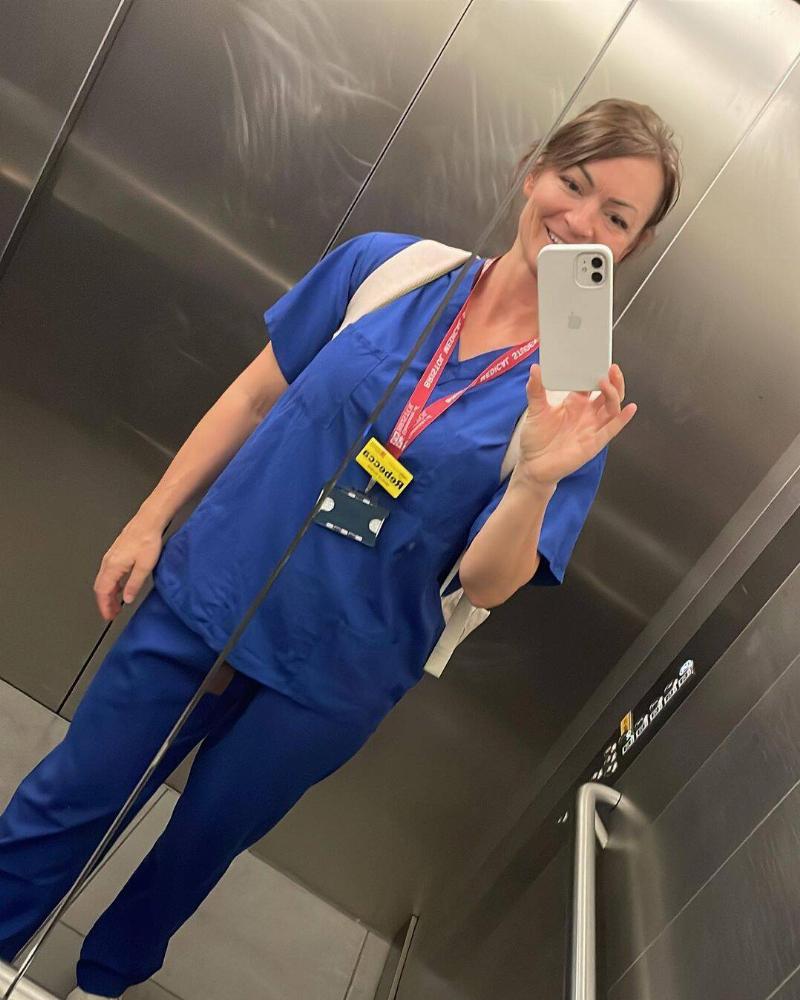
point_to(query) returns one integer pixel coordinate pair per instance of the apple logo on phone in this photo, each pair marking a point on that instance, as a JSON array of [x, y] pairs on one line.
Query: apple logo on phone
[[574, 321]]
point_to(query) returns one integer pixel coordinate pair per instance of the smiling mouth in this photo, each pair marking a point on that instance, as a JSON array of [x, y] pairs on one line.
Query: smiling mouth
[[552, 237]]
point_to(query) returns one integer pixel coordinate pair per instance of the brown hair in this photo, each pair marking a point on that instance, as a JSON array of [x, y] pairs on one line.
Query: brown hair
[[611, 128]]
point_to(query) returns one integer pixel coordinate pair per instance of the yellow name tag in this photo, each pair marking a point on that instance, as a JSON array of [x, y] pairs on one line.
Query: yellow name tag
[[384, 467]]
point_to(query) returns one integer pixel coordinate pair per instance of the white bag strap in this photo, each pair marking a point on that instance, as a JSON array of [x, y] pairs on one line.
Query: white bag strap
[[411, 267], [457, 625]]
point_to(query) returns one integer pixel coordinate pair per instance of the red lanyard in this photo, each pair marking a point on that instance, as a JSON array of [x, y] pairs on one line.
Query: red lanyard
[[416, 416]]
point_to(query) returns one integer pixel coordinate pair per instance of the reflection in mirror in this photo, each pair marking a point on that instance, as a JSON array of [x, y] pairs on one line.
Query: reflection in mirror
[[338, 789]]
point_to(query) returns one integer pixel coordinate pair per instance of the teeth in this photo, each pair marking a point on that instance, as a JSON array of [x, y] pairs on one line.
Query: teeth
[[553, 239]]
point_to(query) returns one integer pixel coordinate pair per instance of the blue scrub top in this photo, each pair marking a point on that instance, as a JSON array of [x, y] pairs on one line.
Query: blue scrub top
[[346, 629]]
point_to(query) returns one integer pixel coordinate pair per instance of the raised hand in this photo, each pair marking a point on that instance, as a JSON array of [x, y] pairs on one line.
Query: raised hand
[[557, 440]]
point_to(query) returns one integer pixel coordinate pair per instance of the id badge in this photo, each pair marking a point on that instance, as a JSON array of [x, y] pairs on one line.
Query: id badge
[[352, 514]]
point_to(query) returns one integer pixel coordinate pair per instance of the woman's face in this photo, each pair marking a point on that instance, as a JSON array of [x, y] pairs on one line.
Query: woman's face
[[584, 204]]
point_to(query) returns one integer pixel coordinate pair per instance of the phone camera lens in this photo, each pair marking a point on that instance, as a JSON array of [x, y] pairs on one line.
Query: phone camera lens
[[597, 261], [596, 276]]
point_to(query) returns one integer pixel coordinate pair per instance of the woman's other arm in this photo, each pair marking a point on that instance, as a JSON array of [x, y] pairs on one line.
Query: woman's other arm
[[204, 454]]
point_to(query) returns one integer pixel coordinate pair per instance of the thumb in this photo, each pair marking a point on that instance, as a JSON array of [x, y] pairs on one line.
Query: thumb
[[134, 584], [537, 397]]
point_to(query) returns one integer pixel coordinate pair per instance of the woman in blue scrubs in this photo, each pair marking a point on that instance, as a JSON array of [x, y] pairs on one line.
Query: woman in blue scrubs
[[346, 629]]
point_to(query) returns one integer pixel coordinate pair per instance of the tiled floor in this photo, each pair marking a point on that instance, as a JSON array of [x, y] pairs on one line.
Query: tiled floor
[[258, 935]]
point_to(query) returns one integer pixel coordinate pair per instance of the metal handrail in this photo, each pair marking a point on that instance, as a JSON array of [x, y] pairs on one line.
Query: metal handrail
[[588, 828]]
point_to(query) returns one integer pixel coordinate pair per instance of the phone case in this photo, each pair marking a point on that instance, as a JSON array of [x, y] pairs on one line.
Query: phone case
[[574, 315]]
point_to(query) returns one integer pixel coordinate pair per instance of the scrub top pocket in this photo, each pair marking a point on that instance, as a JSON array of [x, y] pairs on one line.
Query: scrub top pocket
[[341, 366]]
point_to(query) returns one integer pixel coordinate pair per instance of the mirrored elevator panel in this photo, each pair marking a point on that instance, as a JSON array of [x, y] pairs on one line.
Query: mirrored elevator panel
[[45, 50], [699, 886], [696, 884], [222, 148]]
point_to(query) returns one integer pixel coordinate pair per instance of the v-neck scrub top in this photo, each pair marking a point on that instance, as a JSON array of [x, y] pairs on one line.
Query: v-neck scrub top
[[346, 629]]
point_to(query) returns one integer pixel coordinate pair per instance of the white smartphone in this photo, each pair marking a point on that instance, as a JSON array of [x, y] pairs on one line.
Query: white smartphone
[[576, 286]]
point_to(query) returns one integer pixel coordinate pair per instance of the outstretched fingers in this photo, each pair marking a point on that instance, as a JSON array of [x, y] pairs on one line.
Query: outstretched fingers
[[609, 429], [612, 392]]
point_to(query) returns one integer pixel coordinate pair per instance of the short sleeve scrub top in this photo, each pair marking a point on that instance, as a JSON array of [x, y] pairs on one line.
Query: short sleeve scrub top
[[346, 629]]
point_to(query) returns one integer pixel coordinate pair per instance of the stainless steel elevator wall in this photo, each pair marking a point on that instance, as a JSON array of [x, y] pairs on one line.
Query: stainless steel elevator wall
[[700, 886], [45, 51], [211, 165]]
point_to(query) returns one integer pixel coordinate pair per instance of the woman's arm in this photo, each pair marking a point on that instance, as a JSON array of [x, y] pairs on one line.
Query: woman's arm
[[207, 450], [503, 555], [555, 442], [216, 438]]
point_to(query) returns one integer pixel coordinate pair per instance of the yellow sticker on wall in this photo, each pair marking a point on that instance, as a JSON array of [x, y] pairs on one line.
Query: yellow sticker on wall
[[384, 468]]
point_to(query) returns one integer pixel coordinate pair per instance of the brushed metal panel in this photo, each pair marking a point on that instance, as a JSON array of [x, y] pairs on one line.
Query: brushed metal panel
[[459, 924], [45, 49], [68, 495], [739, 937], [525, 956], [757, 659], [660, 864], [790, 990]]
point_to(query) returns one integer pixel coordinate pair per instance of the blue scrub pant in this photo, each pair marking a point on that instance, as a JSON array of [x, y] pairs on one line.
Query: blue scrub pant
[[261, 750]]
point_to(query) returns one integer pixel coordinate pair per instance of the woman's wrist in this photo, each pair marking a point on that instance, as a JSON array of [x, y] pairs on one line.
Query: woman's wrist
[[155, 513], [524, 482]]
